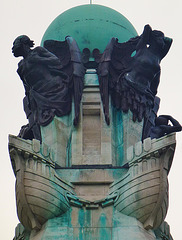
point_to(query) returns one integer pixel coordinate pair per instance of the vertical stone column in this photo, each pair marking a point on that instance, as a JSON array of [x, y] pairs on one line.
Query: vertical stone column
[[125, 133], [57, 136], [91, 139]]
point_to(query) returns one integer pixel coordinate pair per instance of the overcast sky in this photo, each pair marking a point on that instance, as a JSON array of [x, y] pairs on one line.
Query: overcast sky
[[32, 18]]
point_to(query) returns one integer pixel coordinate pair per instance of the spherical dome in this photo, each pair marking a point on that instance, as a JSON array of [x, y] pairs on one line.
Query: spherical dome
[[92, 26]]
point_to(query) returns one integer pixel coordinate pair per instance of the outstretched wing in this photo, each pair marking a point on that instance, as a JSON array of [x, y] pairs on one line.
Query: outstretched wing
[[70, 57], [113, 64]]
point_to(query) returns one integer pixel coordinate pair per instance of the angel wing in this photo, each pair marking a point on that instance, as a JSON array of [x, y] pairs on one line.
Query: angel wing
[[113, 64], [71, 64]]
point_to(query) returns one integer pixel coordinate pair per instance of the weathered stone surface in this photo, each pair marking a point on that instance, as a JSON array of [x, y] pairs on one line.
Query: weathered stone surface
[[86, 179], [93, 194], [106, 224], [91, 140], [57, 135]]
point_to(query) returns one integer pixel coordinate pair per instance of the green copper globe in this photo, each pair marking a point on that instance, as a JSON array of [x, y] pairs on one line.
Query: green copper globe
[[92, 26]]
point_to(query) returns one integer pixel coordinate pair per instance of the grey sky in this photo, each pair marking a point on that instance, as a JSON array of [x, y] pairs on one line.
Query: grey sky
[[32, 18]]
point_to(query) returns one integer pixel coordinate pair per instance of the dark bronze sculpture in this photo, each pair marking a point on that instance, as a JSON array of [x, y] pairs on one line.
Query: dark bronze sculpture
[[130, 71], [162, 126], [49, 81], [150, 119]]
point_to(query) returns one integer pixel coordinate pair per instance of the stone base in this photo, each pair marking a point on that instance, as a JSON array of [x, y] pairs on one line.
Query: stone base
[[83, 224]]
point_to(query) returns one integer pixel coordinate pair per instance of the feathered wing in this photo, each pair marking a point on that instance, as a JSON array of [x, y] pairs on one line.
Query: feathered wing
[[113, 64], [121, 62], [60, 49], [104, 74], [70, 57], [78, 75]]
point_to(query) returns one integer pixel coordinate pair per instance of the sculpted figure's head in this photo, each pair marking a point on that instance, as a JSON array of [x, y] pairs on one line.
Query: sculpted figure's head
[[21, 45]]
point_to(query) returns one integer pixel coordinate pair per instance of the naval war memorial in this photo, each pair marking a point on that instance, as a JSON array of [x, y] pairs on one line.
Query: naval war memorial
[[93, 161]]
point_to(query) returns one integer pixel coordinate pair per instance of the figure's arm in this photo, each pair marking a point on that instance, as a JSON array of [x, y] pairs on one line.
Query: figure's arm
[[176, 125], [170, 129], [20, 69], [168, 42], [170, 118], [144, 37], [43, 56], [155, 83], [21, 75]]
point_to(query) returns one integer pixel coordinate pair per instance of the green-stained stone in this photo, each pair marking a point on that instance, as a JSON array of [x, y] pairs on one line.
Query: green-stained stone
[[92, 26]]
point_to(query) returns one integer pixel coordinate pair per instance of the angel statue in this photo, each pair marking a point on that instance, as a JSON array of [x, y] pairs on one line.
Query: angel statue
[[49, 81], [130, 72]]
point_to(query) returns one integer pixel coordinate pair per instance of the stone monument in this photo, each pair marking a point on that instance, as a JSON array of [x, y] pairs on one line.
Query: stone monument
[[93, 160]]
